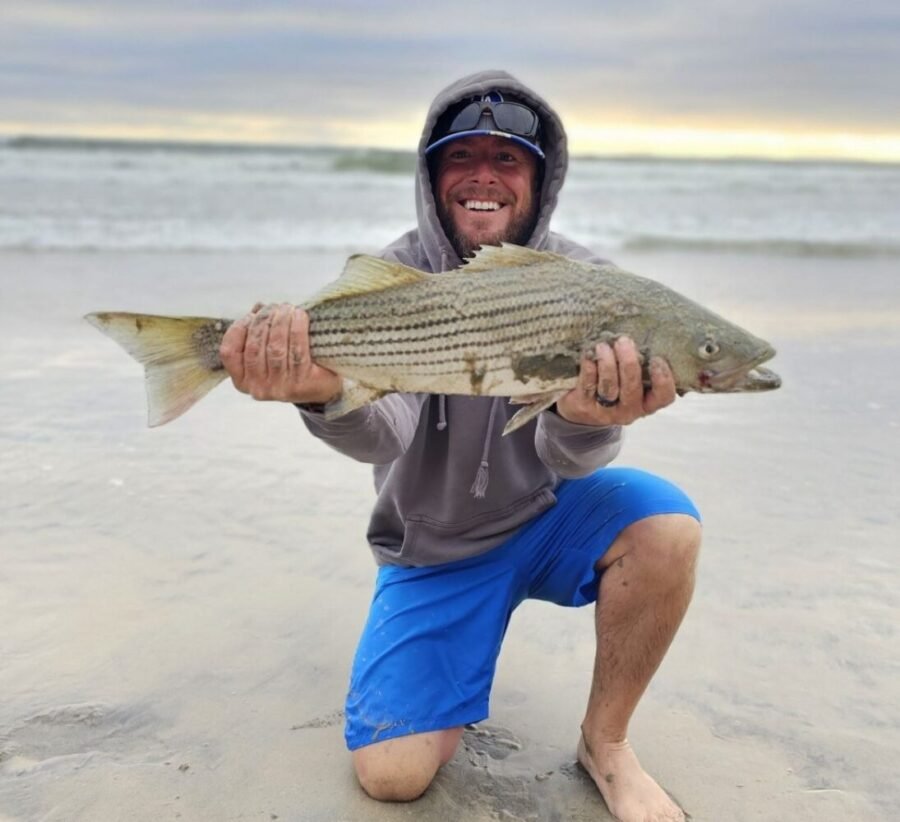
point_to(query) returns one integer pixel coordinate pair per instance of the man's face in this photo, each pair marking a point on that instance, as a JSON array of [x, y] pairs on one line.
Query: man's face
[[485, 192]]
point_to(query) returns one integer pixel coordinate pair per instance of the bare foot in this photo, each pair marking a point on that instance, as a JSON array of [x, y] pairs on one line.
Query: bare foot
[[629, 791]]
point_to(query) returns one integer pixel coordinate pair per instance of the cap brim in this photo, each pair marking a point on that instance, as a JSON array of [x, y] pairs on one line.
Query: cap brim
[[484, 133]]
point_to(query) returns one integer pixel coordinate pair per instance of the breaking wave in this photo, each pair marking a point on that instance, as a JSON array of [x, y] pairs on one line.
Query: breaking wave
[[380, 161], [376, 160], [781, 247], [64, 194]]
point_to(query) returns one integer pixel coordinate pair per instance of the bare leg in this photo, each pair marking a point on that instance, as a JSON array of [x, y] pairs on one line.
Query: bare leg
[[401, 769], [644, 593]]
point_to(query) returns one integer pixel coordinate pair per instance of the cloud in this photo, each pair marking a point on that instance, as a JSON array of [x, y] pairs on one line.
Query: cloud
[[791, 65]]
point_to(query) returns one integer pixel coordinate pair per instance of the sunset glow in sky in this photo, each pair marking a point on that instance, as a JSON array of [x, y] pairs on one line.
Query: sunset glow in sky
[[665, 77]]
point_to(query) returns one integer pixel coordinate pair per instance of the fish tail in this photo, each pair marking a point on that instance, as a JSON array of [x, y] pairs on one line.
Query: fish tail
[[180, 356]]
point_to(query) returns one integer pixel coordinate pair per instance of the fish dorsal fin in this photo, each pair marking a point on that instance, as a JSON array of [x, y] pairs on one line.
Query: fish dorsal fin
[[507, 255], [364, 274]]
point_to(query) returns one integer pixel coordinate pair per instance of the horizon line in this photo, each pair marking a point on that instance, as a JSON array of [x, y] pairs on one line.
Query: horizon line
[[26, 139]]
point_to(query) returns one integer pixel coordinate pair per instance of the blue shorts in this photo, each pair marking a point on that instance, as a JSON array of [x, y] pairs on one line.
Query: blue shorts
[[427, 655]]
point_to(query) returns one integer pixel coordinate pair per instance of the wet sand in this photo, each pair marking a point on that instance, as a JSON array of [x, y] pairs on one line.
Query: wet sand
[[180, 605]]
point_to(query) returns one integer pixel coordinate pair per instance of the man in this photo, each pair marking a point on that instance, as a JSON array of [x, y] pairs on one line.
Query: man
[[468, 524]]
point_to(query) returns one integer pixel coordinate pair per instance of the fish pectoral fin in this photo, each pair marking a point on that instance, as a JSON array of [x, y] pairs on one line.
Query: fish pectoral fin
[[530, 411], [364, 274], [507, 255], [178, 369], [353, 395], [527, 399]]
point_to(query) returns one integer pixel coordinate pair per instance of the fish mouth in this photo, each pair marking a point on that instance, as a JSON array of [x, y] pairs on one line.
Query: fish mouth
[[748, 377]]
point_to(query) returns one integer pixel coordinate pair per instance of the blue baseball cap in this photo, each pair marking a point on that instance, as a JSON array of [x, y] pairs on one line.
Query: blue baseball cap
[[489, 115]]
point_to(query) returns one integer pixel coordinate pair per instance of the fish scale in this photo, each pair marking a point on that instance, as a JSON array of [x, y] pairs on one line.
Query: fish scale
[[459, 325], [511, 322]]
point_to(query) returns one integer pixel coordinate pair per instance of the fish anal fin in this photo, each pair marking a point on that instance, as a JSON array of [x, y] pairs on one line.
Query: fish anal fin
[[507, 255], [364, 274], [530, 411], [353, 395]]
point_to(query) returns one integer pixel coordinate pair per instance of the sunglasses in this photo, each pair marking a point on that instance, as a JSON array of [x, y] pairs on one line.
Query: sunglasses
[[512, 118]]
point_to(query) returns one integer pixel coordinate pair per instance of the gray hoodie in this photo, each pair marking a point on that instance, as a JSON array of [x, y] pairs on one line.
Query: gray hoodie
[[449, 486]]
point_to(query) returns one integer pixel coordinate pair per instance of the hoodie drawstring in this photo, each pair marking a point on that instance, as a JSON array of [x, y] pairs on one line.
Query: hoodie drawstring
[[479, 487]]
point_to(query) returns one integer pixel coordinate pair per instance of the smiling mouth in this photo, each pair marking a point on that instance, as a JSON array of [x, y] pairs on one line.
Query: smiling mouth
[[481, 205]]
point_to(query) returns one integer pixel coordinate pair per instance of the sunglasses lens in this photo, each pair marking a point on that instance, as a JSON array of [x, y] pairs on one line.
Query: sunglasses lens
[[467, 119], [515, 119], [511, 118]]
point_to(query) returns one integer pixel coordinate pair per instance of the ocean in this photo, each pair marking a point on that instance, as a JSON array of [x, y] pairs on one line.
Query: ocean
[[69, 195]]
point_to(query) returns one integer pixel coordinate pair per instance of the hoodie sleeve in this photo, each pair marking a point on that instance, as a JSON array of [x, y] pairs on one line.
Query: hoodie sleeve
[[377, 434], [572, 450]]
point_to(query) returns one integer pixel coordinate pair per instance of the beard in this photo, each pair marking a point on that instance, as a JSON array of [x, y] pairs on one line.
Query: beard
[[518, 230]]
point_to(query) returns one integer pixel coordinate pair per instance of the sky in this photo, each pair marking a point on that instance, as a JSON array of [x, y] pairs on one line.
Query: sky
[[773, 78]]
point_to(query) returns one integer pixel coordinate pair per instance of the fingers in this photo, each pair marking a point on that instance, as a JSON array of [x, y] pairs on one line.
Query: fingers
[[255, 366], [243, 350], [615, 373], [598, 377], [231, 350], [587, 378], [277, 343], [267, 354], [607, 385], [662, 386], [631, 387]]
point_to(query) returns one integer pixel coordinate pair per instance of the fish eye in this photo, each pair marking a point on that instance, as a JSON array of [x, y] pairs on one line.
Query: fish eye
[[708, 348]]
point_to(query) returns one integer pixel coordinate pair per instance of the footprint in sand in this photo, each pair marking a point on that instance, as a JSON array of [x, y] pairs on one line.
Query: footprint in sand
[[73, 730], [500, 782], [491, 740]]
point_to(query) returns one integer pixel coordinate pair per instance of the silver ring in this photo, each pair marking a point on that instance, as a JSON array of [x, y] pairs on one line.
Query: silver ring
[[607, 403]]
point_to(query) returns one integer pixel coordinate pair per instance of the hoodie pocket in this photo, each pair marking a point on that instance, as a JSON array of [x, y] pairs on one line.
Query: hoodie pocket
[[427, 541]]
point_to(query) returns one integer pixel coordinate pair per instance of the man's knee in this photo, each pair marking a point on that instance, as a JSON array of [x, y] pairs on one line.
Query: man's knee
[[401, 769], [669, 543]]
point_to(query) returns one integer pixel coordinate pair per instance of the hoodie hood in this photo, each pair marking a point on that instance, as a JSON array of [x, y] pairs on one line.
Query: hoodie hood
[[444, 492], [437, 247]]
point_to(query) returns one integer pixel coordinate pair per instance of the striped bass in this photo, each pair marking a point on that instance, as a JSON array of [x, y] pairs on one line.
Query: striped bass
[[511, 322]]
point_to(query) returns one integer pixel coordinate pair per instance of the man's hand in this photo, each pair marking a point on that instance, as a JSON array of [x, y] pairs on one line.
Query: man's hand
[[267, 356], [615, 376]]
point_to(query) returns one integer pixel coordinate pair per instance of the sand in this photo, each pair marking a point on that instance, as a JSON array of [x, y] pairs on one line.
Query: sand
[[180, 606]]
